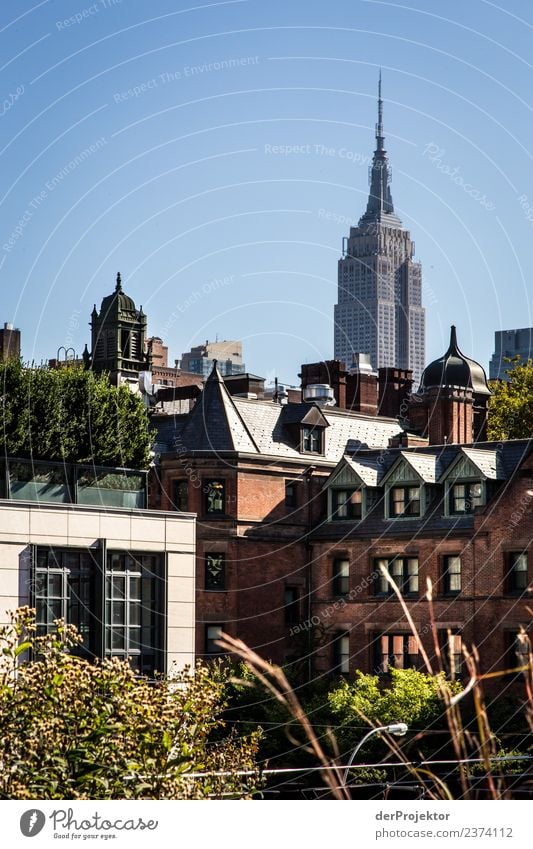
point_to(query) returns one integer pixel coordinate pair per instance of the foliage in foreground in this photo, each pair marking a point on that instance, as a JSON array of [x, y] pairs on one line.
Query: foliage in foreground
[[71, 729], [73, 415]]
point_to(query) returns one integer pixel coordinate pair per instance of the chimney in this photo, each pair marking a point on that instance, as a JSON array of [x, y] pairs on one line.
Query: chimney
[[395, 387], [330, 372], [443, 415], [245, 385]]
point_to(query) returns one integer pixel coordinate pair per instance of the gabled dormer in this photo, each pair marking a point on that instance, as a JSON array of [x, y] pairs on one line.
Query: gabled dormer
[[409, 485], [306, 425], [352, 489], [470, 480]]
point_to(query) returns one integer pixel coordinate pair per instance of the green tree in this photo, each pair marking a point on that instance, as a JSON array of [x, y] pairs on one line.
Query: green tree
[[412, 697], [72, 415], [71, 729], [511, 405]]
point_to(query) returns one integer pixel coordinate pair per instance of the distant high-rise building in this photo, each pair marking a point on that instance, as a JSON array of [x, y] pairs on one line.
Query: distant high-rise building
[[379, 310], [9, 342], [509, 344], [228, 355]]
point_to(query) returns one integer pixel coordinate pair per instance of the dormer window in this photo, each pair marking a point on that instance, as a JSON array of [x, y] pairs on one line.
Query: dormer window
[[470, 479], [312, 439], [409, 485], [404, 501], [465, 497], [346, 504]]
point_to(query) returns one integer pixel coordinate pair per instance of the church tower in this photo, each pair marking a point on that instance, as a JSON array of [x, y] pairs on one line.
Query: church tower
[[118, 336], [379, 310]]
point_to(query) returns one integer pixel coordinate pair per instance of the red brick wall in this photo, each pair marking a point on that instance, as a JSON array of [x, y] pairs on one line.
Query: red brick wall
[[484, 610]]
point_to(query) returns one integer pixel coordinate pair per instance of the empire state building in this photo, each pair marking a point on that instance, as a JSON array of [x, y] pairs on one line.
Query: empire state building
[[379, 310]]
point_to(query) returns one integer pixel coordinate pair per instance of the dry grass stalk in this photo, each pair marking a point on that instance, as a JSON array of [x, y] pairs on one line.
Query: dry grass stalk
[[274, 680]]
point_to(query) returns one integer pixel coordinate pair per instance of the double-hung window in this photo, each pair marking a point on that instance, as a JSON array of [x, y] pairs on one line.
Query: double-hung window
[[451, 574], [465, 497], [181, 495], [395, 651], [346, 504], [517, 576], [404, 572], [312, 438], [404, 501], [341, 576], [341, 654]]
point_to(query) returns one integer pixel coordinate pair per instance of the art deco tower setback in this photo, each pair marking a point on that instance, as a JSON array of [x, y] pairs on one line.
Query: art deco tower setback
[[379, 310]]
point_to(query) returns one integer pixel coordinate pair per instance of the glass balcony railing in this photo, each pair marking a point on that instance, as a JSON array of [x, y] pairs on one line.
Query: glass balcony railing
[[46, 482], [111, 487]]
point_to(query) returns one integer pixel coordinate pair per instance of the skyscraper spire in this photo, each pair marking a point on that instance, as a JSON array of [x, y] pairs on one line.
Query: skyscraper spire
[[380, 199], [380, 138]]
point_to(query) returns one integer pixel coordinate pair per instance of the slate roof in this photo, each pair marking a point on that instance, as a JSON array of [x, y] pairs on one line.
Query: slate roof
[[489, 463], [510, 455], [368, 469], [214, 424], [427, 466], [219, 422]]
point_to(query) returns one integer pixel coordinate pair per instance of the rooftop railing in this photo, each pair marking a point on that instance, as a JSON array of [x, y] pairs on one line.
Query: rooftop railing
[[64, 483]]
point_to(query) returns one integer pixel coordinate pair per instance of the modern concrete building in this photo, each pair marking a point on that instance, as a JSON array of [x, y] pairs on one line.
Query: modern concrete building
[[507, 345], [379, 310], [200, 358], [125, 578]]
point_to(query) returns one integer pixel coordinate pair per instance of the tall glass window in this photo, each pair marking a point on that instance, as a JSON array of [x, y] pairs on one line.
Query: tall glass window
[[132, 586], [62, 590]]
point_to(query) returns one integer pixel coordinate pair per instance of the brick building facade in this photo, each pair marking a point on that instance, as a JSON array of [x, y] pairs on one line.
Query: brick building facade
[[458, 516], [298, 504], [254, 471]]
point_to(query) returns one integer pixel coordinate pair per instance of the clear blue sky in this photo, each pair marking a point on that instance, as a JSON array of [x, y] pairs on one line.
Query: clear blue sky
[[180, 104]]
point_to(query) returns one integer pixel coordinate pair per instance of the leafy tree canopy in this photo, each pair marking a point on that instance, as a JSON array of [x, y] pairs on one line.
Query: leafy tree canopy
[[72, 415], [413, 697], [511, 405]]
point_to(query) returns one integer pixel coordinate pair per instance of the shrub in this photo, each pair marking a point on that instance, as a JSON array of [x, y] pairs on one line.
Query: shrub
[[71, 729]]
